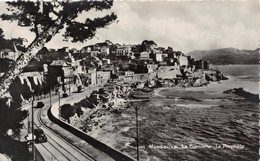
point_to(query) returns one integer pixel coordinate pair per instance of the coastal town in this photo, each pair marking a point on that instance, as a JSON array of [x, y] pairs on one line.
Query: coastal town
[[111, 81], [141, 66], [118, 74], [129, 80]]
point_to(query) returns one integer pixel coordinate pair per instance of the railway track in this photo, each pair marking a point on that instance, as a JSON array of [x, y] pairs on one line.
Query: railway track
[[57, 148]]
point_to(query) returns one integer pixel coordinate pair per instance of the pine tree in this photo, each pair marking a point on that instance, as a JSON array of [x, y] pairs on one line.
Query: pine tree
[[46, 19]]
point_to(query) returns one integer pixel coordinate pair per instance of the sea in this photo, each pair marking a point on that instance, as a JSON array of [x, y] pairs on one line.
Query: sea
[[241, 76], [240, 72], [183, 125]]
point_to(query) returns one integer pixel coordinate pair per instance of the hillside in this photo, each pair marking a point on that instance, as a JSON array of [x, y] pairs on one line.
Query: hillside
[[227, 56]]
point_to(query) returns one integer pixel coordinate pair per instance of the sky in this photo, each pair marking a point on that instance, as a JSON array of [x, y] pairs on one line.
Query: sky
[[185, 26]]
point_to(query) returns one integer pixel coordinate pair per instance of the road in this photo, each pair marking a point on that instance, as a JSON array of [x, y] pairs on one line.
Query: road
[[56, 148]]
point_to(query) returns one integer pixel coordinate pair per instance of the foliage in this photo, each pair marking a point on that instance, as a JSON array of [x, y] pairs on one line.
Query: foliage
[[147, 44], [8, 44], [40, 17], [67, 111], [16, 90], [49, 55], [46, 19], [16, 150], [11, 118], [86, 103], [5, 64]]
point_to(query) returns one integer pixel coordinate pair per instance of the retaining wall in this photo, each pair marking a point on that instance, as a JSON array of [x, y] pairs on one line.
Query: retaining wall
[[38, 156], [53, 114]]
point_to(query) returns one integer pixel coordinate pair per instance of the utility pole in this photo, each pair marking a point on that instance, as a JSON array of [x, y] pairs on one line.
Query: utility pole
[[50, 95], [33, 153], [59, 105], [137, 139], [69, 85], [49, 87], [137, 136]]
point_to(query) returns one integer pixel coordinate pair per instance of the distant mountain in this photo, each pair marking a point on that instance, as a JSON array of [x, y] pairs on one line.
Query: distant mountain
[[227, 56]]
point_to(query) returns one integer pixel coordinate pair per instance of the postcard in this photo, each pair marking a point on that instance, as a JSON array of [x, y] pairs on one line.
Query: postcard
[[129, 80]]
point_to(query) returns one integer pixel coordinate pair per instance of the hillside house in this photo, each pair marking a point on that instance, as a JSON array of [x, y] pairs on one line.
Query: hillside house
[[123, 50], [103, 76], [144, 55], [200, 64], [78, 68], [7, 53], [62, 69], [92, 72], [94, 53], [159, 57], [88, 50], [106, 61], [152, 67], [129, 75], [183, 60], [168, 72], [104, 50]]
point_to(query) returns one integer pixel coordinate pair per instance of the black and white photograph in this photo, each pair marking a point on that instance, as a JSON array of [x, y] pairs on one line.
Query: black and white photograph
[[129, 80]]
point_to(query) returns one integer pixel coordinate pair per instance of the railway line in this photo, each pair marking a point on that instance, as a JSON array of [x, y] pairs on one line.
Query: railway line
[[56, 148]]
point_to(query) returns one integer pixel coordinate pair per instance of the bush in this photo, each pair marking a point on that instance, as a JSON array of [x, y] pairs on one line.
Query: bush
[[39, 105]]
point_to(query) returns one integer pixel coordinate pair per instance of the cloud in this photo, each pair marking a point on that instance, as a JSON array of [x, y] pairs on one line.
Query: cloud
[[199, 26], [185, 26]]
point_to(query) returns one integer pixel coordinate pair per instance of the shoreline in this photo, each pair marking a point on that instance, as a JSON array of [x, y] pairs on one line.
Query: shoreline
[[119, 131], [232, 82], [115, 129]]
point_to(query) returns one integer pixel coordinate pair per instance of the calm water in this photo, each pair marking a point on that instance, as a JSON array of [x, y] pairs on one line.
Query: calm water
[[198, 125], [241, 72]]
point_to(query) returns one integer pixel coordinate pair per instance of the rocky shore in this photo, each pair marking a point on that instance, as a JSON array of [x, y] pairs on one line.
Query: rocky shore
[[111, 120], [167, 112], [247, 95]]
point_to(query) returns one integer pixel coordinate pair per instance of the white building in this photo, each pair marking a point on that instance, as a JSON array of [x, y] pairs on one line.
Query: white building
[[144, 55], [93, 73], [103, 76], [10, 54], [169, 72], [123, 50], [152, 67], [159, 57], [104, 50], [183, 61], [129, 75], [88, 50]]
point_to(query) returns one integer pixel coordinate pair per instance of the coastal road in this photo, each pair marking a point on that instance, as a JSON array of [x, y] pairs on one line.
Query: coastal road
[[56, 148]]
